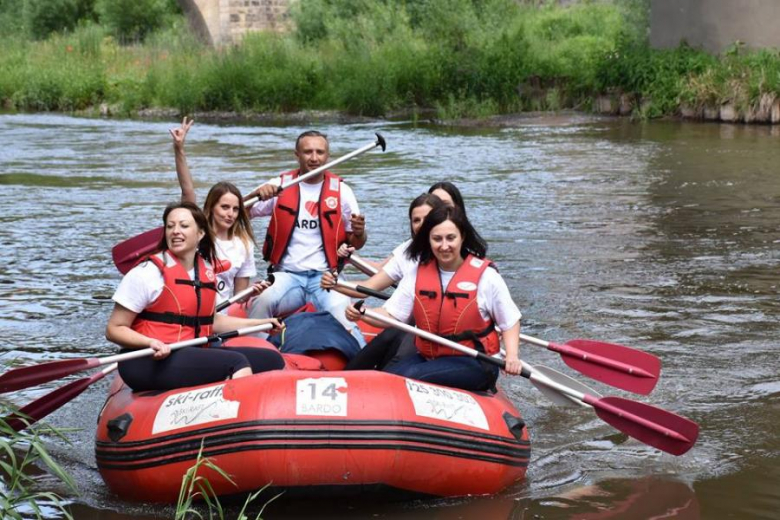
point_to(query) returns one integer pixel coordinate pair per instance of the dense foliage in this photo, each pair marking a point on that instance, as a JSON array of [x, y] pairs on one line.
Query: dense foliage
[[373, 57]]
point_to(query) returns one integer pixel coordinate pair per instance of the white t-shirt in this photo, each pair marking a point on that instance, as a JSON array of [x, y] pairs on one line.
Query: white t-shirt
[[493, 298], [142, 285], [242, 265], [305, 251], [399, 263]]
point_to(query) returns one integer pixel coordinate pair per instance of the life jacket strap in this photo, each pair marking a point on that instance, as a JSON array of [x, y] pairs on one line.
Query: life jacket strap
[[176, 319]]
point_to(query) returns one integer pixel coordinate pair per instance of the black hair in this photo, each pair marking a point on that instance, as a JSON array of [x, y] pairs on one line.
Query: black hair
[[309, 133], [453, 191], [420, 248]]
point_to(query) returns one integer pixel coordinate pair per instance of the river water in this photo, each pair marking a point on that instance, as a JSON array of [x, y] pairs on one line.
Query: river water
[[664, 236]]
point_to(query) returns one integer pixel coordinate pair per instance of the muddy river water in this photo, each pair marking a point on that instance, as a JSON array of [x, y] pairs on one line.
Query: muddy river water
[[664, 236]]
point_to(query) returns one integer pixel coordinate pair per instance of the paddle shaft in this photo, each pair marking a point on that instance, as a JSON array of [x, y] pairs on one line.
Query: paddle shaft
[[380, 141], [241, 295], [362, 265], [135, 354], [362, 289], [530, 374]]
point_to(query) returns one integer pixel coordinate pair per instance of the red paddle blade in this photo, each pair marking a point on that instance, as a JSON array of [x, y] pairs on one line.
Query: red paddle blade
[[26, 377], [622, 367], [45, 405], [655, 427], [126, 254]]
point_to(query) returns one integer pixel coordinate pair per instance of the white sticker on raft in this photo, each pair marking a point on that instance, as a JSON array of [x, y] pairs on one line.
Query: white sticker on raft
[[446, 404], [321, 396], [193, 407]]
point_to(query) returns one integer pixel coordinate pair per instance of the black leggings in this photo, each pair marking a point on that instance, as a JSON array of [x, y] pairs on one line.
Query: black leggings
[[385, 350], [190, 366]]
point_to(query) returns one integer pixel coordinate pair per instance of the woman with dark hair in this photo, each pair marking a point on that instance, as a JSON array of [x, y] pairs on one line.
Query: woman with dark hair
[[171, 297], [449, 194], [454, 292], [227, 218]]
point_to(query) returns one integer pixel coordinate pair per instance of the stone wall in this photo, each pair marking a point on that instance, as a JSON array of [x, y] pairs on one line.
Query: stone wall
[[224, 22], [714, 25]]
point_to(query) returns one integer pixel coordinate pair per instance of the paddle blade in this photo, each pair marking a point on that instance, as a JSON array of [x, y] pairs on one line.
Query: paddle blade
[[622, 367], [43, 406], [655, 427], [126, 254], [26, 377], [556, 396]]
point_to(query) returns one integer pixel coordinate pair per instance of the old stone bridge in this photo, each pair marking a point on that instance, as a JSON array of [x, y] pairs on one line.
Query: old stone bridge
[[221, 22]]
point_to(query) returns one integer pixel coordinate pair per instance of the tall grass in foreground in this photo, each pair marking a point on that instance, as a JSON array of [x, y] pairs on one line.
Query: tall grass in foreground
[[373, 57], [21, 453], [197, 487]]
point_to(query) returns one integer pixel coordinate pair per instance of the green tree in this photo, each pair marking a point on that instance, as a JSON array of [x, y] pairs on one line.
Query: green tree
[[44, 17], [131, 20]]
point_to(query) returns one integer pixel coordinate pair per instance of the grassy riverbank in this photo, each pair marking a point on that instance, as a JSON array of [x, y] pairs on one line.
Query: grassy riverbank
[[370, 57]]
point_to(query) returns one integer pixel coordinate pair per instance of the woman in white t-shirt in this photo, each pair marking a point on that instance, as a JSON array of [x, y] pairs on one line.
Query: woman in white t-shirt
[[228, 219], [449, 249], [169, 298]]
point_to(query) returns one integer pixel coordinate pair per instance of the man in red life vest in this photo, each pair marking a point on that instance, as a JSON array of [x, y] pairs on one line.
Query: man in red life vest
[[309, 221]]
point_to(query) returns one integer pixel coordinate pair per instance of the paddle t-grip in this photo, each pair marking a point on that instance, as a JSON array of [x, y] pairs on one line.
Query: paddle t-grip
[[380, 141]]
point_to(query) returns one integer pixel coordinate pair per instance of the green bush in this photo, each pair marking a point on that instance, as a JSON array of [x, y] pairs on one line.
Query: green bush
[[44, 17], [132, 20]]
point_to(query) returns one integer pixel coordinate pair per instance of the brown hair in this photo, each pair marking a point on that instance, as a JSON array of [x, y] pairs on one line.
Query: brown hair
[[241, 228]]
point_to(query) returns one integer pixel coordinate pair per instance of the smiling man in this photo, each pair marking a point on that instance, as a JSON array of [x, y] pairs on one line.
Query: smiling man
[[309, 221]]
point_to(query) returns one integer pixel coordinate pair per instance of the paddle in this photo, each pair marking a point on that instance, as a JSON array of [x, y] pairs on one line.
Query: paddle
[[25, 377], [364, 266], [380, 141], [44, 405], [615, 365], [126, 254], [651, 425], [241, 295]]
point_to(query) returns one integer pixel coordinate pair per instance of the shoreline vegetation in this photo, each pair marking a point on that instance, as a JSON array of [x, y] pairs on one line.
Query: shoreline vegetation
[[476, 62]]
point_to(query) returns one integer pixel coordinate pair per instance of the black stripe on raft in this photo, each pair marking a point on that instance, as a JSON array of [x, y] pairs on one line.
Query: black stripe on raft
[[287, 447], [314, 422], [118, 453]]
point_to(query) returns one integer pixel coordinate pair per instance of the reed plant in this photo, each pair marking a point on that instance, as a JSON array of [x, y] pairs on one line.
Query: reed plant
[[196, 488], [22, 454]]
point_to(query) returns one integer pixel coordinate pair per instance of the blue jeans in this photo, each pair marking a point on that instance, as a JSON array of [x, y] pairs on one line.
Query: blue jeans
[[456, 371], [291, 291]]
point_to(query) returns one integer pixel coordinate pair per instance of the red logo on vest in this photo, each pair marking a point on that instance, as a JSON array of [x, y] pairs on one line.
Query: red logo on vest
[[313, 208]]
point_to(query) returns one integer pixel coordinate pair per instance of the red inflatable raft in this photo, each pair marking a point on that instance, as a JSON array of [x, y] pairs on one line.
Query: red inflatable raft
[[312, 431]]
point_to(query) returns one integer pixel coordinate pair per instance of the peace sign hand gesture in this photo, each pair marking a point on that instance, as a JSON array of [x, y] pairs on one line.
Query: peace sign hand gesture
[[179, 134]]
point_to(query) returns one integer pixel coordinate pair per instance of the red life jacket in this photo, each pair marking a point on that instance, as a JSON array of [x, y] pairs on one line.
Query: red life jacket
[[185, 308], [285, 215], [452, 314]]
